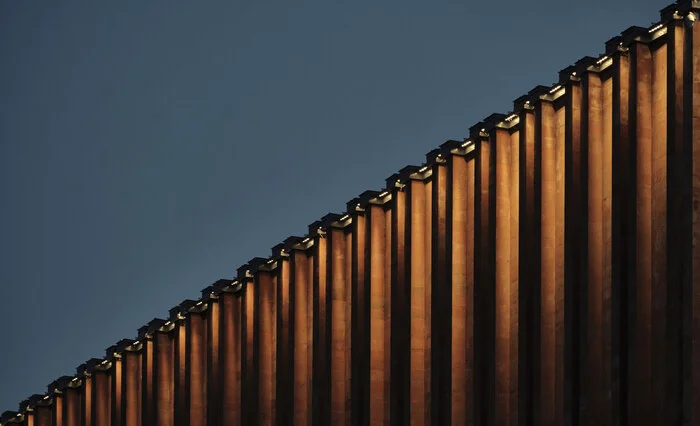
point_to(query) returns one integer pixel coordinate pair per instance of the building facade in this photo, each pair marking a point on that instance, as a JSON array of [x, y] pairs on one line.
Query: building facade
[[540, 272]]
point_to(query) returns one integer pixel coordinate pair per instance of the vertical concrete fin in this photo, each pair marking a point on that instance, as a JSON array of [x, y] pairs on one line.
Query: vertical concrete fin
[[530, 257], [679, 250], [684, 169], [42, 415], [249, 377], [360, 316], [264, 341], [101, 397], [301, 301], [641, 290], [623, 254], [231, 354], [72, 406], [86, 396], [132, 385], [692, 144], [461, 248], [388, 308], [573, 252], [116, 391], [484, 275], [147, 343], [505, 146], [321, 388], [284, 399], [548, 296], [335, 279], [212, 317], [378, 303], [196, 366], [598, 121], [179, 371], [399, 349], [165, 370], [418, 226], [659, 209], [440, 291]]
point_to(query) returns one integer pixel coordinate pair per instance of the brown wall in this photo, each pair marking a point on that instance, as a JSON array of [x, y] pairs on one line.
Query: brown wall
[[542, 272]]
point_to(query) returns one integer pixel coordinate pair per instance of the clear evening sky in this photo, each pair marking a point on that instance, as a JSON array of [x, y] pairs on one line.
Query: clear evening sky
[[148, 148]]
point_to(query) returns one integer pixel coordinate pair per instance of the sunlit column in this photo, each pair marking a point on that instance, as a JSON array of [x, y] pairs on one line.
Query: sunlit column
[[360, 321], [461, 249], [321, 393], [302, 332], [196, 359], [339, 298], [230, 299], [573, 244], [440, 290], [249, 387], [379, 305], [264, 339], [484, 276]]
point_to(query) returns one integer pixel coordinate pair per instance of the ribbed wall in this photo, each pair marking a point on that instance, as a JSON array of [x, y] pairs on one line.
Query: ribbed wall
[[543, 271]]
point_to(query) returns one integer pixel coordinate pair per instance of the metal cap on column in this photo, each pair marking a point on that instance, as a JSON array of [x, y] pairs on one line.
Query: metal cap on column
[[573, 73], [567, 74], [393, 181], [614, 45], [212, 291], [493, 121], [156, 324], [669, 13], [632, 34], [523, 102], [278, 251], [214, 381], [352, 207], [582, 65], [92, 366], [364, 199], [177, 317], [115, 351], [58, 385], [454, 147], [10, 418], [260, 264], [243, 275], [435, 156], [527, 101], [334, 220], [316, 229], [404, 175], [249, 402], [180, 311], [296, 243], [478, 132], [686, 6]]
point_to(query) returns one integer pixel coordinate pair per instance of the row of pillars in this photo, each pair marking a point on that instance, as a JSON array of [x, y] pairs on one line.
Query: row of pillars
[[541, 272]]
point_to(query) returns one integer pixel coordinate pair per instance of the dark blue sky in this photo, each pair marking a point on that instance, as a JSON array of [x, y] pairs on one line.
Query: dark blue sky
[[150, 148]]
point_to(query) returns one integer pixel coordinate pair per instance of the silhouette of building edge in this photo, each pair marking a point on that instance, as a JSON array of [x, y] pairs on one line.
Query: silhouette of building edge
[[542, 271]]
